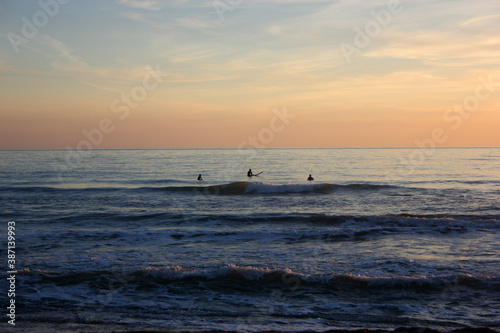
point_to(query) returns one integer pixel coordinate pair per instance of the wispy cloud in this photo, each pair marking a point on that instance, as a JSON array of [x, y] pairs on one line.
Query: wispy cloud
[[193, 54], [462, 43], [142, 4], [192, 22], [65, 62], [197, 78], [139, 17]]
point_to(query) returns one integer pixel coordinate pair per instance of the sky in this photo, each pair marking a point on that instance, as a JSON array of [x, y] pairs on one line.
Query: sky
[[94, 74]]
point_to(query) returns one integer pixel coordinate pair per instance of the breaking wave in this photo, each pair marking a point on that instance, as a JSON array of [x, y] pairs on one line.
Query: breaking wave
[[233, 276], [234, 188]]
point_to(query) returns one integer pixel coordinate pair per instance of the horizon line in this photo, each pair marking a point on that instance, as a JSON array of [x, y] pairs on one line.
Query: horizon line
[[259, 148]]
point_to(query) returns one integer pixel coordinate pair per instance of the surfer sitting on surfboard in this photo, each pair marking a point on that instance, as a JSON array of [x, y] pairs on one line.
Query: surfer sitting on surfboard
[[199, 177], [310, 177], [250, 174]]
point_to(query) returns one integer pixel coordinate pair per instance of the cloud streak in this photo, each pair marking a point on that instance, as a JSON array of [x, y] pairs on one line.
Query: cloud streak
[[142, 4]]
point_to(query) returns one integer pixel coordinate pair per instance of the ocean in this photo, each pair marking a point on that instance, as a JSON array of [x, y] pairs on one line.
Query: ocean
[[381, 239]]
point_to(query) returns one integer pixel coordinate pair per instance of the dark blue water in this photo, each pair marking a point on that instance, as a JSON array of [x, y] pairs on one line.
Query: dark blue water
[[378, 240]]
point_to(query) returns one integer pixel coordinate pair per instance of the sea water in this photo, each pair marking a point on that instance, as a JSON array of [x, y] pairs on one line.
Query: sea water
[[382, 238]]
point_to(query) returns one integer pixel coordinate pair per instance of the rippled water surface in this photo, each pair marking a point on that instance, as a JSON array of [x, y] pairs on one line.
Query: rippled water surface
[[381, 238]]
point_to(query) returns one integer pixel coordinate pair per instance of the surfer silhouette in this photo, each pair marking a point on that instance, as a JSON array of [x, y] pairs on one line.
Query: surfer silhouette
[[199, 177], [251, 174], [310, 177]]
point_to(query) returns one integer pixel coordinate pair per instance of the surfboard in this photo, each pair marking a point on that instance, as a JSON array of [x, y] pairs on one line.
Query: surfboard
[[257, 174]]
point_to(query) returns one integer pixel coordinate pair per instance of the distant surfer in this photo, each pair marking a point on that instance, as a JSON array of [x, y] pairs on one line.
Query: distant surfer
[[199, 177], [251, 174], [310, 177]]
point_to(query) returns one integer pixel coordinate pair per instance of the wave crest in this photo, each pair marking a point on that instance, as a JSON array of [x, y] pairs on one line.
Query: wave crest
[[234, 188], [232, 276], [240, 188]]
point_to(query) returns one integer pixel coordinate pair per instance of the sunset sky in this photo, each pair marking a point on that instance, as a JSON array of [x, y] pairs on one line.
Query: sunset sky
[[243, 73]]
